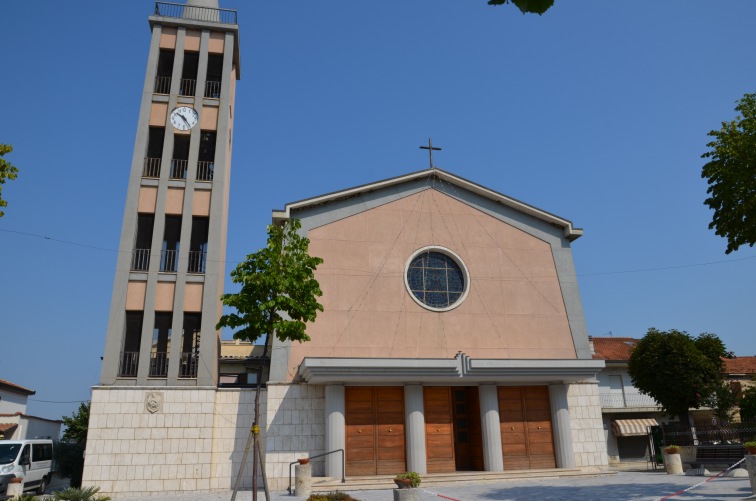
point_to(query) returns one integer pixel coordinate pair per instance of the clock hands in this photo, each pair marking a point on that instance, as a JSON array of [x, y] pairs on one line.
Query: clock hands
[[184, 119]]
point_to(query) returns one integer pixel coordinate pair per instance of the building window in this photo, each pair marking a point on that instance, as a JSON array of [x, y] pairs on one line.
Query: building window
[[189, 74], [214, 75], [164, 72], [129, 362], [161, 345], [436, 278]]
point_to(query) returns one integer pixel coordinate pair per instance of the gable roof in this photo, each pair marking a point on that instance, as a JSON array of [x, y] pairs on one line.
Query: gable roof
[[570, 233], [740, 365], [613, 348], [619, 348], [12, 387]]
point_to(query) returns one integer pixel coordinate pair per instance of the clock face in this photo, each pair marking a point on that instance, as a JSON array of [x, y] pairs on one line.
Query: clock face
[[184, 118]]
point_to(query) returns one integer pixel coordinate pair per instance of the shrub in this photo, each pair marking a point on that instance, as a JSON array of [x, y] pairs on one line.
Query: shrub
[[331, 496], [79, 494], [413, 477], [69, 460]]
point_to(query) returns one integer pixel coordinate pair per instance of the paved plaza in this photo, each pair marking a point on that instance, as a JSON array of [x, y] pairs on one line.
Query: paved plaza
[[623, 486]]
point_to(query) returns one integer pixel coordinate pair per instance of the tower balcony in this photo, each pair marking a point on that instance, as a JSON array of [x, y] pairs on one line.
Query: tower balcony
[[140, 260], [158, 364], [197, 261], [188, 367], [195, 13], [129, 364]]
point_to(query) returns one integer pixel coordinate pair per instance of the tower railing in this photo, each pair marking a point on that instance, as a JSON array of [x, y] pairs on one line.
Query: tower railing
[[140, 260], [193, 12], [205, 170], [197, 261], [162, 85], [151, 167], [129, 364], [212, 89], [188, 367], [159, 364], [169, 261], [187, 87], [179, 168]]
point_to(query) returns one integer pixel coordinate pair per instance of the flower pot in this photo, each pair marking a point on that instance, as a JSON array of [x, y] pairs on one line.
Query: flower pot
[[403, 483], [303, 460], [673, 464]]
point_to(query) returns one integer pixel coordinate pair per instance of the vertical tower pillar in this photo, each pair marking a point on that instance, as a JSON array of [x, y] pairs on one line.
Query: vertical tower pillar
[[335, 428], [560, 417]]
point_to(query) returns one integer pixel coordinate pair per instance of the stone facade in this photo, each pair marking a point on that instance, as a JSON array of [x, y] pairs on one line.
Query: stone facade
[[588, 441], [160, 441], [295, 429]]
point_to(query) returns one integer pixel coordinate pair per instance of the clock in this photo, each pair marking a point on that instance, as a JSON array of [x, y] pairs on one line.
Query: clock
[[184, 118]]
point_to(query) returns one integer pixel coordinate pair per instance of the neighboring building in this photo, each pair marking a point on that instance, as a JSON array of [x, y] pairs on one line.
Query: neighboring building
[[453, 336], [241, 363], [15, 423], [626, 412]]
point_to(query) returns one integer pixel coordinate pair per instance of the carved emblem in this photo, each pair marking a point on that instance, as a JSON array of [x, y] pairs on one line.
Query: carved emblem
[[153, 402]]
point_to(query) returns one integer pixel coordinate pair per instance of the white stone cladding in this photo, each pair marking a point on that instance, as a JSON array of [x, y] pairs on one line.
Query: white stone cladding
[[295, 429], [192, 442], [588, 442]]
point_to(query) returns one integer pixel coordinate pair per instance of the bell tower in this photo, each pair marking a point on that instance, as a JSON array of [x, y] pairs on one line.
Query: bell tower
[[169, 277], [155, 403]]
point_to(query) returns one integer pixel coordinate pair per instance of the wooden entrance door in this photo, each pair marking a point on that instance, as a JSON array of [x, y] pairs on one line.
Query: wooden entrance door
[[527, 440], [453, 439], [439, 433], [375, 430]]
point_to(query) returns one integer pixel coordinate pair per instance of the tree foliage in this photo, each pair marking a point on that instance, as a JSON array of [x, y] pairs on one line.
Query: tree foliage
[[731, 174], [748, 404], [679, 371], [527, 6], [279, 291], [69, 452], [7, 171], [77, 425]]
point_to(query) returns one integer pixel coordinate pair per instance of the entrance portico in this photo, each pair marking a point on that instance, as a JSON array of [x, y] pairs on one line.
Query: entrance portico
[[459, 414]]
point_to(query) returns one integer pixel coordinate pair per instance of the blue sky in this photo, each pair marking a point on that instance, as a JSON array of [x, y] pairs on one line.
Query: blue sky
[[597, 111]]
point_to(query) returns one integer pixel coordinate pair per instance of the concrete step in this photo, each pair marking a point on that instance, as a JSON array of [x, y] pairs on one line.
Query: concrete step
[[358, 483]]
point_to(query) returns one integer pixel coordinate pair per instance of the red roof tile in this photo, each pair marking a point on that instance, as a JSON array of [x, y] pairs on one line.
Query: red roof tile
[[740, 365], [613, 348]]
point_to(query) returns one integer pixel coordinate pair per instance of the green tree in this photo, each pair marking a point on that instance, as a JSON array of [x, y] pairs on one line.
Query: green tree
[[7, 171], [69, 452], [748, 404], [677, 370], [278, 297], [731, 174], [723, 401], [77, 425], [527, 6]]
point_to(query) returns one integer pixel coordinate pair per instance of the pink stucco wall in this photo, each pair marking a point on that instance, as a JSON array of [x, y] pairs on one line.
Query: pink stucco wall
[[514, 308]]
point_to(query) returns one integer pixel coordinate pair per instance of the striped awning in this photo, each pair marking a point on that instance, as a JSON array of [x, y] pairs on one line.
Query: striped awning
[[632, 427]]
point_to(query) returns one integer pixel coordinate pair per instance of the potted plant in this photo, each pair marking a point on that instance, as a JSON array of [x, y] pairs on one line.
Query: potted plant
[[750, 447], [407, 480], [672, 449], [672, 460]]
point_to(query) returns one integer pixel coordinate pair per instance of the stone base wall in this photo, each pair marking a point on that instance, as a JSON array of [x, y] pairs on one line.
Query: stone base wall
[[147, 441], [588, 440], [295, 429]]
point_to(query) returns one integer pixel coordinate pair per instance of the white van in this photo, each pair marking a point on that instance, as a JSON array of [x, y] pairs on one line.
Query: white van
[[27, 459]]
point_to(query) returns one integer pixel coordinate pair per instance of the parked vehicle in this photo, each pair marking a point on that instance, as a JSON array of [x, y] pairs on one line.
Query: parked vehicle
[[27, 459]]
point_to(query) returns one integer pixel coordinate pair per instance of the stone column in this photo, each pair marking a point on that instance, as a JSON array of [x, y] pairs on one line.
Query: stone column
[[750, 465], [562, 427], [490, 427], [335, 429], [303, 480], [414, 417]]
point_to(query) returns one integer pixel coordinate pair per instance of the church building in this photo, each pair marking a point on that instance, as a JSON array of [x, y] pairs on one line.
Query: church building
[[452, 337]]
